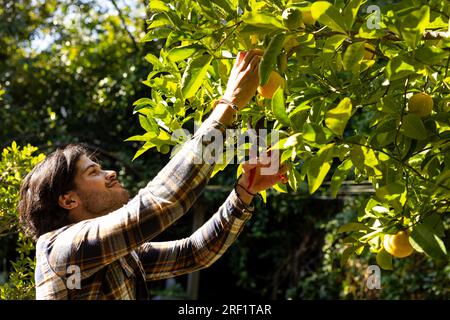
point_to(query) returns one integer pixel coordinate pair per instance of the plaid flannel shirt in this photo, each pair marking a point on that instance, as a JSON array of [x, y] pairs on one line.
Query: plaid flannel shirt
[[113, 255]]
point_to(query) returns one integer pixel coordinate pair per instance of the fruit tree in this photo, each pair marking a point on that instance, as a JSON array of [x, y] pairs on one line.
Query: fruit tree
[[357, 92]]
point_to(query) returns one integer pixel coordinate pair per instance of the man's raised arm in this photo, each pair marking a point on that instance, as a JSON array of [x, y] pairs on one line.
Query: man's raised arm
[[93, 243]]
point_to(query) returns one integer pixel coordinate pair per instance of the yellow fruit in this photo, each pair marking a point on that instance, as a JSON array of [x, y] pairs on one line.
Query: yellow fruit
[[275, 81], [398, 244], [420, 104], [254, 39], [369, 52], [307, 17]]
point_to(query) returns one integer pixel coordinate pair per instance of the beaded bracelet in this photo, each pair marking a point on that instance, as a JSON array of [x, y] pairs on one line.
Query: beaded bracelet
[[257, 195], [236, 118]]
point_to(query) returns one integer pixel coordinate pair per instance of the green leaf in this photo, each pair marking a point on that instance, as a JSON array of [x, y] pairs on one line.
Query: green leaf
[[400, 67], [264, 20], [365, 32], [313, 132], [350, 12], [412, 127], [156, 5], [146, 137], [319, 166], [327, 14], [194, 75], [298, 117], [333, 42], [294, 178], [368, 209], [263, 195], [261, 30], [158, 20], [353, 57], [393, 193], [280, 187], [339, 176], [353, 226], [269, 59], [224, 4], [384, 260], [183, 52], [144, 102], [292, 141], [431, 55], [279, 108], [148, 124], [336, 119], [413, 26], [365, 160], [172, 15], [435, 222], [346, 255], [424, 238], [286, 143], [154, 61], [148, 145]]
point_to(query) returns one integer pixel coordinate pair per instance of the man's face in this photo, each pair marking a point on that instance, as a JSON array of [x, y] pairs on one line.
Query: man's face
[[99, 190]]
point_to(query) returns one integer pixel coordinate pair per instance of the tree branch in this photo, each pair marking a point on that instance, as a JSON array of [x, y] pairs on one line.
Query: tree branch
[[417, 173], [136, 47]]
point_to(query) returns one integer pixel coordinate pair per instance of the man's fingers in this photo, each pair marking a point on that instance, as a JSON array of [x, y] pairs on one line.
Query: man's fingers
[[254, 63], [282, 176], [284, 168], [258, 52], [243, 58], [240, 57], [248, 57], [248, 166]]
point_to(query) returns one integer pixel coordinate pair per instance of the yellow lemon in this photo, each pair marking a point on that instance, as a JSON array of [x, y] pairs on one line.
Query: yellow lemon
[[307, 17], [275, 81], [420, 104], [398, 244]]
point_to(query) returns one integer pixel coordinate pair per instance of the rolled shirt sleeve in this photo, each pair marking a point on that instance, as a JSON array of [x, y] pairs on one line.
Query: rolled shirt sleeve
[[172, 258]]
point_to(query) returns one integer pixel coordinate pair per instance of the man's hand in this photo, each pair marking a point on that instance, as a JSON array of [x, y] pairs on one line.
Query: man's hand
[[244, 78], [253, 180]]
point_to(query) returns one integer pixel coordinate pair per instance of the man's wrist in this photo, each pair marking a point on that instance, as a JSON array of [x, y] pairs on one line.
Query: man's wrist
[[243, 194], [224, 114], [233, 100], [225, 111]]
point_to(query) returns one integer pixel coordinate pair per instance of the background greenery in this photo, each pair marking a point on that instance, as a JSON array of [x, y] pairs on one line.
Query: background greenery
[[70, 71]]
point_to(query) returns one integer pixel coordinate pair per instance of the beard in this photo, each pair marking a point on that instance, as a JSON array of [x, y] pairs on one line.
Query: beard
[[101, 203]]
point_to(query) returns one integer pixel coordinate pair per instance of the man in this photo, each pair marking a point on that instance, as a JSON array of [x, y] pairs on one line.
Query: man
[[95, 243]]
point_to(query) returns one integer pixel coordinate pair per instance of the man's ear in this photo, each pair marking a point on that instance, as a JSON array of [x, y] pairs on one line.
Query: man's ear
[[68, 201]]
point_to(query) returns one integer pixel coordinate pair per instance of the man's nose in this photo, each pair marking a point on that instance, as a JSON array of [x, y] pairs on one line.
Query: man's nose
[[111, 175]]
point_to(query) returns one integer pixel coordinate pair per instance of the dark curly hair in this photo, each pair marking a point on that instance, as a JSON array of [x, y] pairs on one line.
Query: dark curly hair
[[39, 211]]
